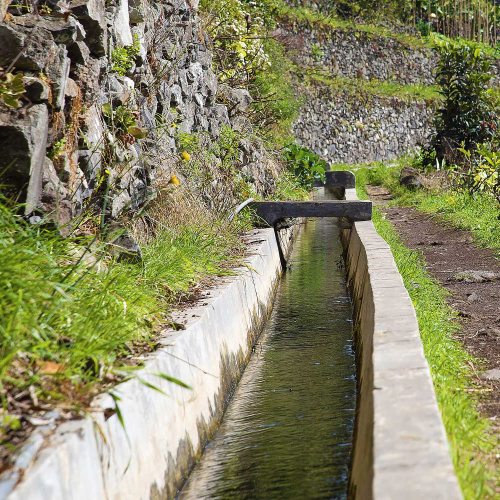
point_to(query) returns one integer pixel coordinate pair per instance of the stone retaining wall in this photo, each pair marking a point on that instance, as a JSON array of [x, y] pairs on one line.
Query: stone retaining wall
[[346, 127], [345, 122], [355, 53], [58, 147], [350, 124]]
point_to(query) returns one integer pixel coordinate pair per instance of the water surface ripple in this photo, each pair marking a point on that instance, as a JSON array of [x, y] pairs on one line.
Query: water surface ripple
[[287, 432]]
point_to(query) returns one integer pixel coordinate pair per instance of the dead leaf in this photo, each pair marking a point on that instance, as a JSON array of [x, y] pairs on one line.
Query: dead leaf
[[49, 368]]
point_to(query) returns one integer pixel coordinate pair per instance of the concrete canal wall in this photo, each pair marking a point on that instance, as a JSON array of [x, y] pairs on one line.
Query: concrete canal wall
[[400, 445], [97, 458]]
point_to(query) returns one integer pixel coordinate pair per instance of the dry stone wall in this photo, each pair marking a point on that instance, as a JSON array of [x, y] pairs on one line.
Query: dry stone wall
[[346, 128], [349, 123], [354, 53], [57, 145], [349, 126]]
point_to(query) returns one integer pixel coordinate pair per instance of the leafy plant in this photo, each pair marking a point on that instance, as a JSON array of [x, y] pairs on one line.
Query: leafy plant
[[482, 172], [123, 57], [123, 120], [11, 88], [247, 56], [212, 167], [57, 149], [467, 115], [237, 29], [226, 148], [305, 165], [317, 53], [425, 27], [275, 105], [187, 142]]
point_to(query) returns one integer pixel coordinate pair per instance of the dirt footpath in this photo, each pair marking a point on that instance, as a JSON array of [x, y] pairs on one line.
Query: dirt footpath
[[471, 275]]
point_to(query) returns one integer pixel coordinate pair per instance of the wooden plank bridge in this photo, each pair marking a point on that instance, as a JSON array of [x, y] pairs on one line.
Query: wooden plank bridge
[[274, 211]]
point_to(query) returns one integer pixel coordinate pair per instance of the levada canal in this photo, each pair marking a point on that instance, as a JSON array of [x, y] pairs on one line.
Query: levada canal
[[287, 432]]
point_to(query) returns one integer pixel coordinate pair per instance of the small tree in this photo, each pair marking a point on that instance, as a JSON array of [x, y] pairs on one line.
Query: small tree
[[467, 116]]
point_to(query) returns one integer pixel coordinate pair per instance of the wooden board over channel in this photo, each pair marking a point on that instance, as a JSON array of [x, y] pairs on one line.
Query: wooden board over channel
[[273, 211]]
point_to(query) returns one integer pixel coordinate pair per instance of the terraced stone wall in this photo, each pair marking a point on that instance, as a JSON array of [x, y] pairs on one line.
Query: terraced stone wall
[[346, 127]]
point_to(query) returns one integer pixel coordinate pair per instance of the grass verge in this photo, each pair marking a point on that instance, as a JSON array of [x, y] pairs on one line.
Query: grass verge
[[376, 87], [73, 317], [326, 22], [470, 436], [476, 213]]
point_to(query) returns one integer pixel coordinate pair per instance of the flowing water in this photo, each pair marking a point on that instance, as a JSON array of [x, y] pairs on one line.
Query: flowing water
[[287, 432]]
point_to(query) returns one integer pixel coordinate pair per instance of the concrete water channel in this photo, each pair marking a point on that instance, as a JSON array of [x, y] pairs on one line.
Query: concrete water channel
[[287, 433], [399, 446]]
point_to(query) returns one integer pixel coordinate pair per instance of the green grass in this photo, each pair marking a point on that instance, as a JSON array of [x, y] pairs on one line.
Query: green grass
[[471, 440], [476, 213], [376, 87], [280, 107], [70, 315], [468, 433], [327, 23]]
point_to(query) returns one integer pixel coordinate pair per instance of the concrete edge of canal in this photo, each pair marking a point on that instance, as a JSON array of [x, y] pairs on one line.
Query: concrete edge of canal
[[97, 458], [400, 445]]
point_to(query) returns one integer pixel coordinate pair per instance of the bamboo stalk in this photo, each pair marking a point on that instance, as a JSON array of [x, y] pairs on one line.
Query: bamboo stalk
[[478, 21], [495, 12], [487, 23], [471, 21]]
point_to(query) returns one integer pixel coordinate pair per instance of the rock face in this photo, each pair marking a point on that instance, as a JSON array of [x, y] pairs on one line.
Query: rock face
[[151, 63], [343, 127], [23, 139]]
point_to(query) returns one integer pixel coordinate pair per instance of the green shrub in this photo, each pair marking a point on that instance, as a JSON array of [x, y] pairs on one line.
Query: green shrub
[[275, 105], [11, 88], [305, 165], [481, 170], [467, 116], [237, 31], [425, 27], [245, 56], [123, 121]]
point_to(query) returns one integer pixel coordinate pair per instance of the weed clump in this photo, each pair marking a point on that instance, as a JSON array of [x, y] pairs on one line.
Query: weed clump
[[123, 58]]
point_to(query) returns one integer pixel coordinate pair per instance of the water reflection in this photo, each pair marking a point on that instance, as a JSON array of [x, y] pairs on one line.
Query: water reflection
[[287, 432]]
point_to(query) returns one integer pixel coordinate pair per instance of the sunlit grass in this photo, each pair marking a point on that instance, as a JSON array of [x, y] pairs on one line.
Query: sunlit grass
[[376, 87], [70, 314], [329, 22], [468, 433], [476, 213]]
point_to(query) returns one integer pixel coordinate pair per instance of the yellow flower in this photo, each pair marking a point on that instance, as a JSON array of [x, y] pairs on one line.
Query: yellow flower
[[174, 125], [174, 180], [186, 156], [107, 171]]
